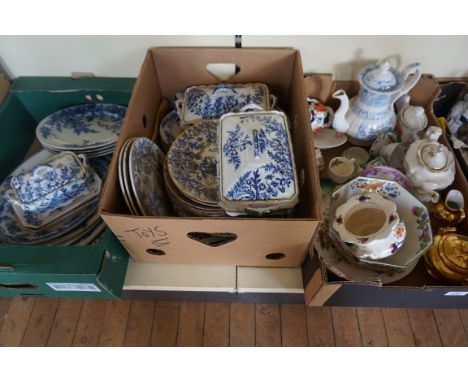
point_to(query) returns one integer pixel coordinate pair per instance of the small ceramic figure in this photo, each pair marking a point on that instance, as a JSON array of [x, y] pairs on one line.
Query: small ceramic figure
[[371, 223], [321, 116], [429, 165], [371, 112]]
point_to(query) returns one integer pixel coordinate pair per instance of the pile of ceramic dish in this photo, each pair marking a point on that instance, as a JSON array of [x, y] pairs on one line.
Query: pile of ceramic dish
[[51, 199], [228, 152], [140, 167], [92, 129]]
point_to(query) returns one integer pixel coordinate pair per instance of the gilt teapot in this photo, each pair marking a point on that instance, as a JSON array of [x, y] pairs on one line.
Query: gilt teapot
[[429, 165], [371, 112]]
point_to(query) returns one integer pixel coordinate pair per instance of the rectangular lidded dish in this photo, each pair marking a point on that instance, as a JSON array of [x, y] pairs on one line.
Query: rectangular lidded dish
[[256, 162]]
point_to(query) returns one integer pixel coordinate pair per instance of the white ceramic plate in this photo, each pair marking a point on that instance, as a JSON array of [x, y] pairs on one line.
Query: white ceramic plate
[[123, 171], [328, 138]]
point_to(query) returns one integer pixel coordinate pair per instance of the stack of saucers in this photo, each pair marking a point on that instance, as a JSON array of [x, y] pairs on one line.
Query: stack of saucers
[[51, 200], [190, 171], [92, 129], [140, 176]]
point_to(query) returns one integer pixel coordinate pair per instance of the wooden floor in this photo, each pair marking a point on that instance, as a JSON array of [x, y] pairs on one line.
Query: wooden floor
[[41, 321]]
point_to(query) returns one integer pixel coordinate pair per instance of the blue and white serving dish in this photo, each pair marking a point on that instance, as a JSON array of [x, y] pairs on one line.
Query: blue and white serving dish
[[145, 165], [211, 102], [93, 127], [170, 128], [192, 160], [256, 162]]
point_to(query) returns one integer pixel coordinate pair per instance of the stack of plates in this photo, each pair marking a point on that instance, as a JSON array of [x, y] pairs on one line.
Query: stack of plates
[[91, 129], [79, 227], [141, 180], [190, 171]]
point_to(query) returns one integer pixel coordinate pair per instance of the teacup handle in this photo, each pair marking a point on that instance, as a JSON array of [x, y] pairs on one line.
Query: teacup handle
[[251, 107], [412, 68]]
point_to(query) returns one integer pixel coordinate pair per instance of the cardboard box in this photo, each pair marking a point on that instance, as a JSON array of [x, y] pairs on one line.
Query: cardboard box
[[95, 271], [418, 289], [258, 241]]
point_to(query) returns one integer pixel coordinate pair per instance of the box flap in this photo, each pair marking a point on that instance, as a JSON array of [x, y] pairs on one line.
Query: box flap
[[4, 87]]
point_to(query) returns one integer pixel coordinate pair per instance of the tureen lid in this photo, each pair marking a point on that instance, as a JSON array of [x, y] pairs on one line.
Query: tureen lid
[[433, 155], [380, 77], [414, 117]]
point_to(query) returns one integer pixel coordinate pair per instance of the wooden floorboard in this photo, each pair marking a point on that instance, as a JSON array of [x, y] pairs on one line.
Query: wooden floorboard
[[320, 327], [216, 327], [267, 325], [140, 323], [372, 327], [450, 327], [40, 322], [65, 323], [165, 323], [16, 322], [43, 321], [242, 325], [398, 327], [114, 325], [424, 327], [191, 323], [294, 325], [346, 326]]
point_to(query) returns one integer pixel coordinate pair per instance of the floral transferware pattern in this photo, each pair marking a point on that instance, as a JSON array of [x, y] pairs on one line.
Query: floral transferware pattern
[[146, 162], [256, 161], [192, 161], [84, 126], [211, 102], [170, 127]]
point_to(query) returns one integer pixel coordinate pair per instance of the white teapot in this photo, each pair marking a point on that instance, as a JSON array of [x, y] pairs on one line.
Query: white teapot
[[429, 165]]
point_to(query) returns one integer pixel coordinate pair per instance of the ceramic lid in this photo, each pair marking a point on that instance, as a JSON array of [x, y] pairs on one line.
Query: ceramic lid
[[434, 156], [414, 117], [380, 77]]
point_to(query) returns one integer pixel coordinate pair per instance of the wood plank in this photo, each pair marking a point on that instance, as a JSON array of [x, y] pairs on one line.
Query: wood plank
[[40, 323], [372, 327], [294, 325], [4, 306], [140, 323], [424, 327], [398, 327], [191, 322], [267, 325], [464, 318], [165, 324], [450, 326], [114, 324], [90, 323], [346, 326], [216, 328], [16, 322], [242, 325], [65, 322], [320, 326]]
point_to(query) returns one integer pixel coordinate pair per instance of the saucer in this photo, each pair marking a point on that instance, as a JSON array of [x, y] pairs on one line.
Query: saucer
[[388, 173], [328, 139]]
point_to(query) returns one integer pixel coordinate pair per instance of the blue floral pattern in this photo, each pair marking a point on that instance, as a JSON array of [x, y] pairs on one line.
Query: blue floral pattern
[[170, 127], [82, 127], [192, 161], [269, 172], [211, 102]]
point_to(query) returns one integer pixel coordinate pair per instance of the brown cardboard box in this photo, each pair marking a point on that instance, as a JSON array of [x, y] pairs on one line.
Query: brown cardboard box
[[418, 289], [259, 241]]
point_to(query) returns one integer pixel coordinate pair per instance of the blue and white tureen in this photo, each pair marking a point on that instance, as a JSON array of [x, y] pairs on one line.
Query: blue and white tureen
[[256, 163]]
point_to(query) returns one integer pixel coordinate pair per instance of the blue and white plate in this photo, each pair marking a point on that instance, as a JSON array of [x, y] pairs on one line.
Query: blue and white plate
[[191, 162], [256, 162], [82, 127], [170, 128], [145, 165]]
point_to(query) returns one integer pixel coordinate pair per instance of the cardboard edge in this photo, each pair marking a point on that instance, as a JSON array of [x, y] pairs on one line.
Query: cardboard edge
[[317, 291], [4, 87]]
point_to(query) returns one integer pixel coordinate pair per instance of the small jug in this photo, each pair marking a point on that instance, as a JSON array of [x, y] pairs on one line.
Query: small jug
[[450, 211]]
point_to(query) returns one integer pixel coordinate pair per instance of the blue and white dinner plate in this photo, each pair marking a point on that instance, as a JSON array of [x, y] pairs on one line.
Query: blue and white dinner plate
[[145, 165], [192, 160], [170, 128], [82, 127]]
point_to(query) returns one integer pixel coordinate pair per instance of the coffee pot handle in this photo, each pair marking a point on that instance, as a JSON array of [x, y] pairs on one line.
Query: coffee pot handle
[[412, 68]]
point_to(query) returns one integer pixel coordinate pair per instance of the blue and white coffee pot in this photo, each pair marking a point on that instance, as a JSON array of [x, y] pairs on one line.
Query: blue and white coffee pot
[[371, 112]]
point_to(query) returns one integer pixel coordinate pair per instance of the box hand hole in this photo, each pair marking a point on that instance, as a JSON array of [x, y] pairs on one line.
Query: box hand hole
[[155, 252], [223, 71], [275, 256], [18, 286], [212, 239], [145, 121]]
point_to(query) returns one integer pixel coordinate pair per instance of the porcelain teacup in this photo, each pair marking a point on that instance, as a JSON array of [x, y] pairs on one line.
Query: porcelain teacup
[[341, 169]]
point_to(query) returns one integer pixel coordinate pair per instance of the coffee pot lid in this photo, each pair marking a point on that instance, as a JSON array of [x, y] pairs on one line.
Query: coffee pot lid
[[414, 117], [380, 77], [434, 156]]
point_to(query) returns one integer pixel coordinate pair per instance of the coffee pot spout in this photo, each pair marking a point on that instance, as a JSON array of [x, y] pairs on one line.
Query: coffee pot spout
[[339, 120]]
